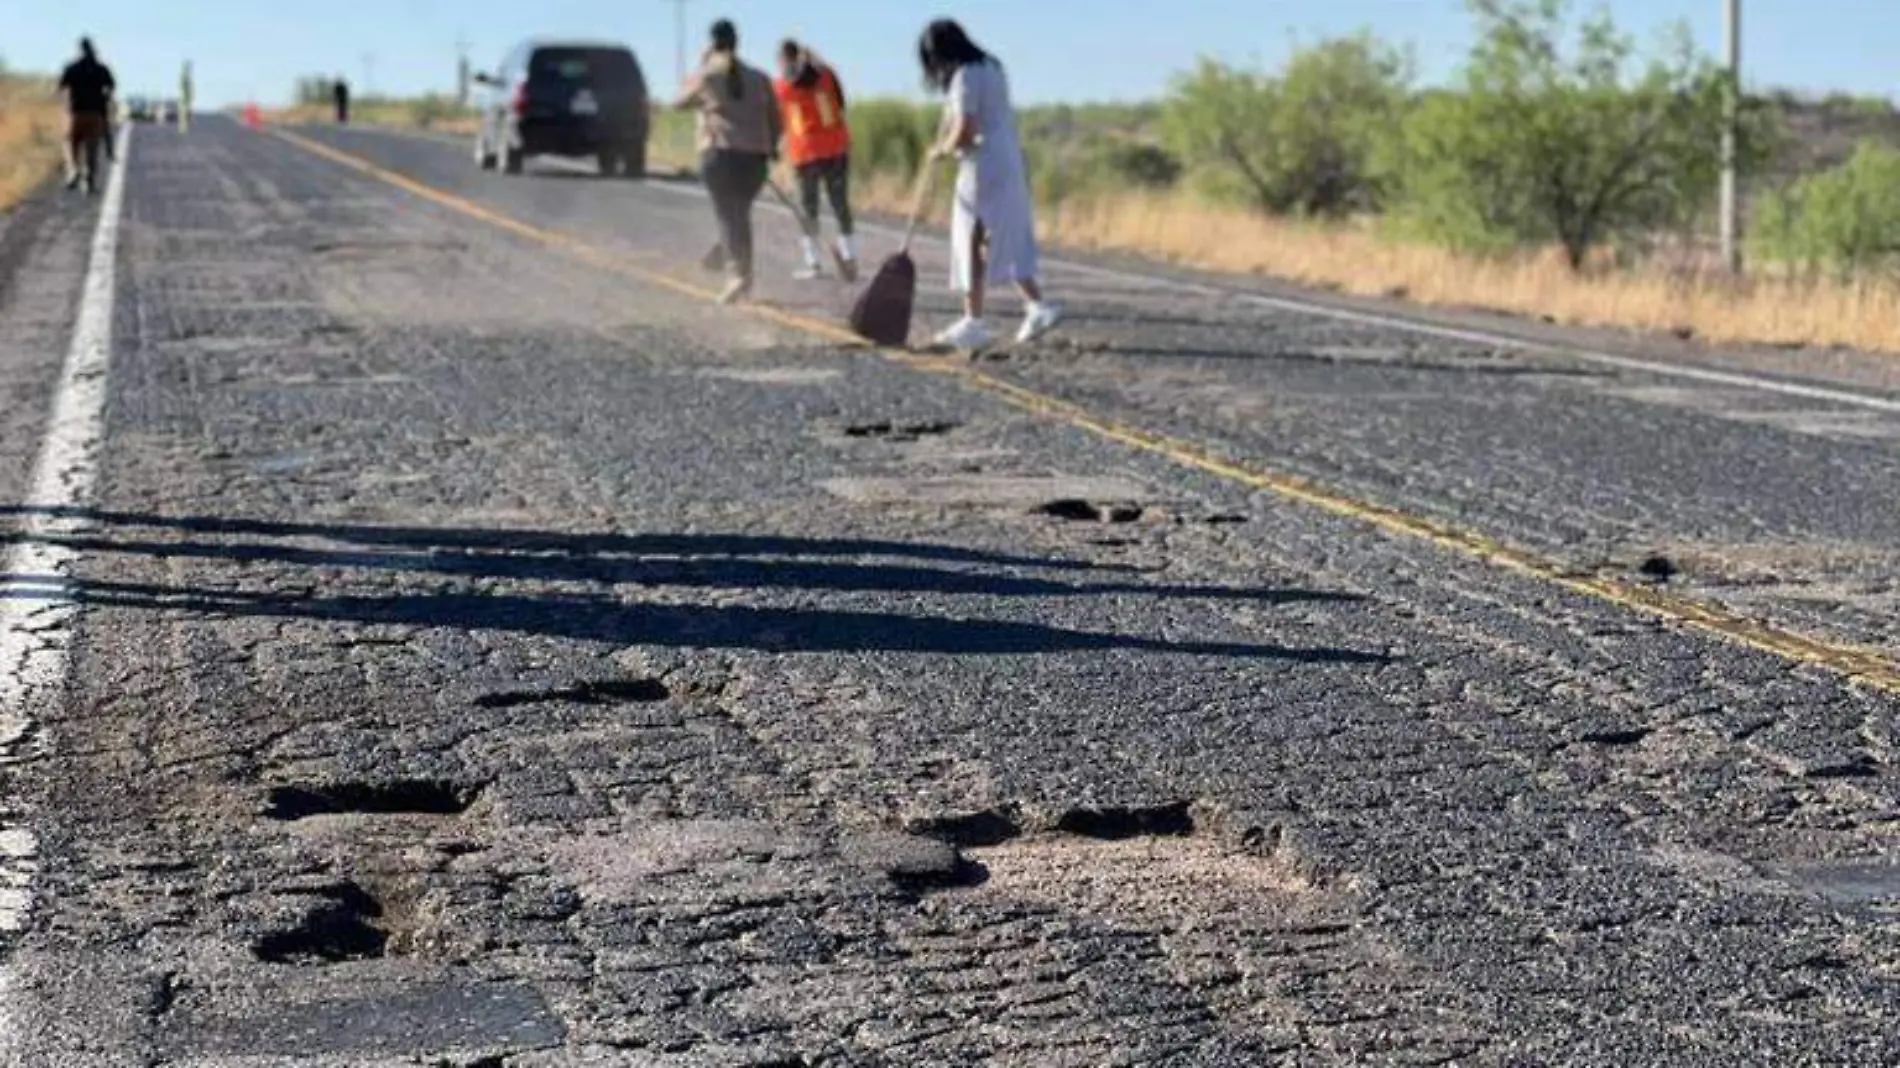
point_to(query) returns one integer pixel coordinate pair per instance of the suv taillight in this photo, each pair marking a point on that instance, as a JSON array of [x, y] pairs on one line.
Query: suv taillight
[[521, 99]]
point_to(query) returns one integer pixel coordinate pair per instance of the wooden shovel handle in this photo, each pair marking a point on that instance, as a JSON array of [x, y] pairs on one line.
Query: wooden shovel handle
[[925, 180]]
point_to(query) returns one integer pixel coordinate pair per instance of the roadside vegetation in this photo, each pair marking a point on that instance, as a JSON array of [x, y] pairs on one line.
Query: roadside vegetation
[[31, 125], [434, 113]]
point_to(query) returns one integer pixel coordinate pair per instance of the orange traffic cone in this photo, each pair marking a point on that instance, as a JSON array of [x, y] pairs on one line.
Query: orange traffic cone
[[253, 116]]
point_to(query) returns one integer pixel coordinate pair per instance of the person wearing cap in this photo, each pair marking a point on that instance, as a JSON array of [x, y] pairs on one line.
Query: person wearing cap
[[818, 146], [739, 129]]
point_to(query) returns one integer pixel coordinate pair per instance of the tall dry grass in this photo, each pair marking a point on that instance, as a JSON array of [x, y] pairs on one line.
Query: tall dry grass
[[1181, 229], [32, 126]]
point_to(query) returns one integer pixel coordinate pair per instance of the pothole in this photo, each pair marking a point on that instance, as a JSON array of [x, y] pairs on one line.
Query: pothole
[[1174, 820], [428, 797], [1077, 510], [587, 692], [1616, 738], [887, 430], [341, 928], [1658, 568], [970, 830]]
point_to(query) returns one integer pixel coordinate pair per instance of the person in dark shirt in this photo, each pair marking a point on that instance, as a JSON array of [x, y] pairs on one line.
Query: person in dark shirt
[[89, 86], [342, 93]]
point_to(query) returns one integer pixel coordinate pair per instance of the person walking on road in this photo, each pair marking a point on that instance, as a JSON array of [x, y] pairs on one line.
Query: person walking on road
[[993, 224], [88, 85], [818, 146], [739, 128], [340, 91]]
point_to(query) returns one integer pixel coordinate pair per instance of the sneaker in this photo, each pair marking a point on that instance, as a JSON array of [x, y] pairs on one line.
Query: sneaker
[[848, 269], [1038, 320], [810, 272], [968, 335], [735, 291]]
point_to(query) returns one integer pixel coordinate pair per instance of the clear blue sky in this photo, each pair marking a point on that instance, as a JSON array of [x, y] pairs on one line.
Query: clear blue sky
[[1056, 49]]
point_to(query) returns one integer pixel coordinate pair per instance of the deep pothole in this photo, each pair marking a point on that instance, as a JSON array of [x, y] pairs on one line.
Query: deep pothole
[[1078, 510], [344, 925], [586, 692], [423, 797], [902, 433], [1002, 824]]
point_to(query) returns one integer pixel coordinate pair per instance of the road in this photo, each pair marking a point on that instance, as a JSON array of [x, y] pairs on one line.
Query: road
[[479, 650]]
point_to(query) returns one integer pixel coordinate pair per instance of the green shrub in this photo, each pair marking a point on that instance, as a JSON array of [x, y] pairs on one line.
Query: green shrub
[[426, 111], [1311, 140], [1138, 165], [891, 136], [1845, 220]]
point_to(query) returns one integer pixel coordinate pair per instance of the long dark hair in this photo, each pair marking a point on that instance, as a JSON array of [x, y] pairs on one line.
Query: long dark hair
[[725, 38], [945, 49]]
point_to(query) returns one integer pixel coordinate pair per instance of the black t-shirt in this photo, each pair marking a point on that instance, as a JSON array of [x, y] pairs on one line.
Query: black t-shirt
[[88, 84]]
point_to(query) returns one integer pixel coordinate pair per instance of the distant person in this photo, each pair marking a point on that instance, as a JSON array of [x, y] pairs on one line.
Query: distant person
[[88, 86], [818, 146], [738, 138], [993, 225], [341, 92]]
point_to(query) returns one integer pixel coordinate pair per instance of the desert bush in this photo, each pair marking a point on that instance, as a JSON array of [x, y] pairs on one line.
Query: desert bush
[[1845, 220], [1311, 140]]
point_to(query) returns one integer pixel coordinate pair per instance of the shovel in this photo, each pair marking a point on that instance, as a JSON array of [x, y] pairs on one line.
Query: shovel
[[882, 313]]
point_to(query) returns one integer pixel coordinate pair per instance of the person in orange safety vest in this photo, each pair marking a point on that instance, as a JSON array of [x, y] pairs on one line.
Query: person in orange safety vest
[[818, 146]]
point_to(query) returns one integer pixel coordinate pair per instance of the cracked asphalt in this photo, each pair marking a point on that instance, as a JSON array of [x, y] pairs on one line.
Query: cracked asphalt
[[488, 658]]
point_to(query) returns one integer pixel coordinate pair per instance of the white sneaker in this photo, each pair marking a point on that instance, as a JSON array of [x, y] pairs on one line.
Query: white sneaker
[[968, 335], [1038, 320]]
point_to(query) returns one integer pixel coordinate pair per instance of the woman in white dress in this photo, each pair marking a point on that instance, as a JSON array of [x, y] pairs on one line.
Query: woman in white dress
[[993, 228]]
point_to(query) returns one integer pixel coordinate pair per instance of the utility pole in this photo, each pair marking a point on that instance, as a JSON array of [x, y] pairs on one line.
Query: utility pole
[[462, 71], [679, 39], [1731, 135], [186, 91]]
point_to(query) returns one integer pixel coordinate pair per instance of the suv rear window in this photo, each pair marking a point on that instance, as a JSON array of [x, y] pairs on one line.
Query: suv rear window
[[600, 68]]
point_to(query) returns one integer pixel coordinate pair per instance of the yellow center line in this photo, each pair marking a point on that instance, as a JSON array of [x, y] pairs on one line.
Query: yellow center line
[[1861, 666]]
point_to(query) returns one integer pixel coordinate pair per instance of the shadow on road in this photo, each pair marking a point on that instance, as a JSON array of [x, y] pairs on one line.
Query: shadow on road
[[712, 561]]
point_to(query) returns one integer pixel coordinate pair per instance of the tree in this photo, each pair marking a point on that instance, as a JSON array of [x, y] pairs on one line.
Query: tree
[[1576, 146], [1311, 140]]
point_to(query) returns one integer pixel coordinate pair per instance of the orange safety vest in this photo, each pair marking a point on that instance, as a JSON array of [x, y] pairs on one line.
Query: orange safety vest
[[814, 120]]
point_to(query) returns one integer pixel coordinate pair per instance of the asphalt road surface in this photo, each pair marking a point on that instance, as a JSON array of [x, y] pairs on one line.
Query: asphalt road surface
[[435, 635]]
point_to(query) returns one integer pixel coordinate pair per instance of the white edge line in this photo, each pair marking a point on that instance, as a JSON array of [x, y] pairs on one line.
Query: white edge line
[[1413, 326], [37, 611]]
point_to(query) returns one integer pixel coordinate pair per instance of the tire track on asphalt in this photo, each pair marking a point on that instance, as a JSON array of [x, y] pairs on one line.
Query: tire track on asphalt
[[1858, 666], [37, 609]]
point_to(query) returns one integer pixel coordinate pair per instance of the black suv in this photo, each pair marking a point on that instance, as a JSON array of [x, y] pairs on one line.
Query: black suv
[[566, 98]]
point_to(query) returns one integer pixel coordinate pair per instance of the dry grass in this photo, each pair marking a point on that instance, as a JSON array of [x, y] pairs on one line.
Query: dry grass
[[1179, 229], [32, 126]]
